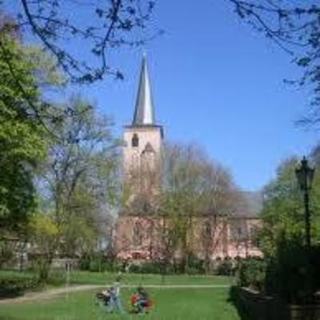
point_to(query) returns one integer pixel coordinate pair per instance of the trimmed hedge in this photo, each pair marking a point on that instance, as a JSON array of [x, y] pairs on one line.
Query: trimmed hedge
[[15, 286], [292, 274], [252, 273]]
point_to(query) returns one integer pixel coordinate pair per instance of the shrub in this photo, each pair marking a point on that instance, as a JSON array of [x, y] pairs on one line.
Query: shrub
[[252, 273], [152, 267], [225, 268], [146, 267], [84, 263], [194, 265], [293, 273], [14, 286], [99, 263]]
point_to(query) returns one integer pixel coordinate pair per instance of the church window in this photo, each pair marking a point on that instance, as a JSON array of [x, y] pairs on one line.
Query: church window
[[135, 140], [137, 234]]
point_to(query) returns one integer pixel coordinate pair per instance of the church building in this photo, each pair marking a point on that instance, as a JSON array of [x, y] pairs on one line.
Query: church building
[[138, 233]]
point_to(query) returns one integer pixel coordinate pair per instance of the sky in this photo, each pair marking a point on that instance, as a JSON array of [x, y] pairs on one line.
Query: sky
[[216, 83]]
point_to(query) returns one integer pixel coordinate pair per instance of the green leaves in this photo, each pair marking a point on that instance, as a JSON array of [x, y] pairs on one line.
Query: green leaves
[[283, 213], [22, 142]]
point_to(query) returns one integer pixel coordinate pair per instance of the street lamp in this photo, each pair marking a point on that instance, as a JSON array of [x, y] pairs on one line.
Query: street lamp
[[304, 176]]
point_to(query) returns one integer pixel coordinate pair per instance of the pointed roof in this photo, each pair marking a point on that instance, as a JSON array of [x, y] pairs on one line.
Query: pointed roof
[[144, 110]]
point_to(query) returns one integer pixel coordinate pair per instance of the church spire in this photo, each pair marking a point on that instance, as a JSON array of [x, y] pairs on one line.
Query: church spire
[[144, 110]]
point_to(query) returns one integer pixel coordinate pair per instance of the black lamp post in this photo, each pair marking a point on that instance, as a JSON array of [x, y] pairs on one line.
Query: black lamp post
[[305, 176]]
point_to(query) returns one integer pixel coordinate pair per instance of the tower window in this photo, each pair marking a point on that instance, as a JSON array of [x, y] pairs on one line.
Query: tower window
[[135, 140]]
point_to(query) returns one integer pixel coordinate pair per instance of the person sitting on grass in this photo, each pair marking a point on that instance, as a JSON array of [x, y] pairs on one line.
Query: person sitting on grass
[[104, 298], [110, 298], [140, 301]]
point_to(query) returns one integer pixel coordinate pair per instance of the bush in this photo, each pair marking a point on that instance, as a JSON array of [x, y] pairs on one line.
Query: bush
[[96, 265], [151, 267], [293, 273], [15, 286], [146, 267], [99, 263], [252, 273], [194, 265], [84, 263], [225, 268]]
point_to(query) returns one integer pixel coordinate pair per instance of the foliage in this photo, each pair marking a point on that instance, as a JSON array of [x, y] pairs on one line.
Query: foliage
[[289, 270], [295, 27], [14, 286], [44, 237], [194, 265], [225, 268], [194, 186], [293, 273], [6, 253], [97, 262], [283, 212], [252, 273], [79, 178], [44, 68], [22, 140], [147, 268]]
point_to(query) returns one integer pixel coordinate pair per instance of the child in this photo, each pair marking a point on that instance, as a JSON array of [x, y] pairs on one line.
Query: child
[[115, 295], [104, 297], [140, 301]]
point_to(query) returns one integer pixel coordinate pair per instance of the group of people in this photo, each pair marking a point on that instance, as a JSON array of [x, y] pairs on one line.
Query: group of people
[[111, 300], [140, 301]]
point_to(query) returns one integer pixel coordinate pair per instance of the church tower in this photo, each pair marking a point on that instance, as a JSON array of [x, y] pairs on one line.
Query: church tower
[[142, 144]]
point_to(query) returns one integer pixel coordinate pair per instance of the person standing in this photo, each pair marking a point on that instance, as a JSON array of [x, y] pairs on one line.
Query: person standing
[[116, 298]]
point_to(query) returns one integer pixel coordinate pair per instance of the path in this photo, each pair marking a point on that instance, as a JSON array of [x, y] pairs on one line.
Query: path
[[59, 291]]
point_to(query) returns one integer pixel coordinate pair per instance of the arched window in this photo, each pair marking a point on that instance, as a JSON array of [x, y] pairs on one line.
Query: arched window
[[135, 141], [137, 234]]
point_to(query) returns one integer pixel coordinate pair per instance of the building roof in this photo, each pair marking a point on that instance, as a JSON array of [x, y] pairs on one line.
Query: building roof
[[144, 109], [253, 204]]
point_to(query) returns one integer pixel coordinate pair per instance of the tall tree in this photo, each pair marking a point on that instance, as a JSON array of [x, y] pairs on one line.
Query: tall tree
[[195, 191], [283, 212], [22, 138], [79, 181]]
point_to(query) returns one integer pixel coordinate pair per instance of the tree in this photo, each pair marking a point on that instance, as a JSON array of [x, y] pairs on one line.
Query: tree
[[108, 25], [197, 196], [290, 267], [22, 138], [79, 178], [44, 238], [295, 27], [283, 212]]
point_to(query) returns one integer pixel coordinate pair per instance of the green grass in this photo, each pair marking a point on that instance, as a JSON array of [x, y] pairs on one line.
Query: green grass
[[4, 274], [84, 277], [170, 304]]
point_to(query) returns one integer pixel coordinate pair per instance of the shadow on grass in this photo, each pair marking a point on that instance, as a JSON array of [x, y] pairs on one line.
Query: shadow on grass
[[234, 299]]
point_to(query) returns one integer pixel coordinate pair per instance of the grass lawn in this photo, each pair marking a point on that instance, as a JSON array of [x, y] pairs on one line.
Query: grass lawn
[[170, 304], [84, 277]]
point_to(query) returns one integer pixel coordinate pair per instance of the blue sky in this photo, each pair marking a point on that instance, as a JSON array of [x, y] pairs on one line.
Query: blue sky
[[215, 82]]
